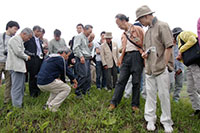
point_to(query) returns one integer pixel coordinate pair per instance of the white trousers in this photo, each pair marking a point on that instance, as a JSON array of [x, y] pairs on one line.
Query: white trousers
[[161, 84], [58, 93]]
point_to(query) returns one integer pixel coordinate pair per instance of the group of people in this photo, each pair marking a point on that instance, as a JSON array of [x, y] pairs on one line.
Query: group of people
[[160, 50]]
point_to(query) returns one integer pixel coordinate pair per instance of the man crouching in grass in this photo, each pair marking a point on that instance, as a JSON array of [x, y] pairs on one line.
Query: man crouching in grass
[[52, 78]]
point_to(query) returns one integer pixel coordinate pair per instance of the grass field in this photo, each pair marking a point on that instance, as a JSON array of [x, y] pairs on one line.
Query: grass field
[[90, 114]]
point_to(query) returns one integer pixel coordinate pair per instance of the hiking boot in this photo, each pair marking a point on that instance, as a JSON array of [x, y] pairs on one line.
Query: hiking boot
[[111, 107], [135, 109]]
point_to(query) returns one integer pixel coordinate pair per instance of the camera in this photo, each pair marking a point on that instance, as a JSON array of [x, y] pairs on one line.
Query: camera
[[148, 51], [5, 52]]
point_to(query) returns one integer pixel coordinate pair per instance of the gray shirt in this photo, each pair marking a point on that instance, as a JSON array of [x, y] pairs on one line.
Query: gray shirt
[[2, 56], [54, 45], [81, 46]]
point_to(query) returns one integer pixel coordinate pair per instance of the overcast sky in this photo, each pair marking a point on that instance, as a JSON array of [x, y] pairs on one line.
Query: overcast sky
[[66, 14]]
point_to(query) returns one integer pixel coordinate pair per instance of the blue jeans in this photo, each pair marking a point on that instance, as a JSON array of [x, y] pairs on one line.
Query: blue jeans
[[83, 76], [101, 76]]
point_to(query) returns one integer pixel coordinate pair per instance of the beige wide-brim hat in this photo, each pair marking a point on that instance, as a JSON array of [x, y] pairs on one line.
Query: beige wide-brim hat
[[108, 35], [142, 11]]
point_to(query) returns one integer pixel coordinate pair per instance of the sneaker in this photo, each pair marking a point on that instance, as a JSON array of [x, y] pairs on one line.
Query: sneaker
[[126, 96], [45, 107], [168, 128], [52, 109], [106, 88], [78, 97], [111, 107], [109, 90], [197, 112], [151, 126], [98, 88]]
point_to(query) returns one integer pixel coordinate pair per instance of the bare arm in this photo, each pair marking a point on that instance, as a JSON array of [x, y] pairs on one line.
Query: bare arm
[[168, 53]]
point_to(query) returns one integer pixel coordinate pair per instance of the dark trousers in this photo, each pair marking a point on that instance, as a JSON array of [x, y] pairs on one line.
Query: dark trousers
[[111, 76], [83, 76], [33, 67], [100, 75], [132, 64]]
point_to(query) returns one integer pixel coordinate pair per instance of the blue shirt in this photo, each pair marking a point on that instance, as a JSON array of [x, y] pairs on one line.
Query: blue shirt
[[178, 64], [51, 69]]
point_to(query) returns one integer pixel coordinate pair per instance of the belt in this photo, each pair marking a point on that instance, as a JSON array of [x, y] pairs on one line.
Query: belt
[[88, 58], [132, 51]]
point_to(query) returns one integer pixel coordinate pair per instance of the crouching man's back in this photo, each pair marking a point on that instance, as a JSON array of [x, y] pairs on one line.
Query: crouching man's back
[[52, 78]]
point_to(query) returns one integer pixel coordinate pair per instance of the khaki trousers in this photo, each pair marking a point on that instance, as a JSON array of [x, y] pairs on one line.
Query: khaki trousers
[[58, 93], [7, 93]]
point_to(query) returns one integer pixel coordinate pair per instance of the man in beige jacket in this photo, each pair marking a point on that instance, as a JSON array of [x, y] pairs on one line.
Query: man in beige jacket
[[109, 55], [15, 63]]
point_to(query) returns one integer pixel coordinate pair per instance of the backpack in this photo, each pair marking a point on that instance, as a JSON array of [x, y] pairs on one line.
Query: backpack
[[192, 55]]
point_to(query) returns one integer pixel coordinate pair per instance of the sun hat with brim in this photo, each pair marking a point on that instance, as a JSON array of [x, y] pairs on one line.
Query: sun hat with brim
[[176, 30], [142, 11], [108, 35]]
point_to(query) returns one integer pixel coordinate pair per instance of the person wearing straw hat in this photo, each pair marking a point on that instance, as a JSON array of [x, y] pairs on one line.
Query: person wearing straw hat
[[158, 43], [109, 56]]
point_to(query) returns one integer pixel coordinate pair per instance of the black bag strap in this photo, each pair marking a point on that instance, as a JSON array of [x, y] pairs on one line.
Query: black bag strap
[[182, 42], [4, 39], [133, 42]]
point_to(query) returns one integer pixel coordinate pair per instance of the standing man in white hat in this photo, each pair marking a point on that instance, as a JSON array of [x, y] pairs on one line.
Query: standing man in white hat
[[109, 56], [158, 43]]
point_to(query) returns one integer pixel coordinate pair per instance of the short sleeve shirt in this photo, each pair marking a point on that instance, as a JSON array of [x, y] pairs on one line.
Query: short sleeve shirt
[[158, 37]]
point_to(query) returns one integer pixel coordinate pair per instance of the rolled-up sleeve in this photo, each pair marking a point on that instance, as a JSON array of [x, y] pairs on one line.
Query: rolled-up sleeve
[[189, 40]]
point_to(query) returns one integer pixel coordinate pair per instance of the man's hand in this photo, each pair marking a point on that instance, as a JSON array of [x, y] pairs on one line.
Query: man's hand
[[29, 58], [144, 55], [90, 45], [82, 60], [75, 83], [97, 50], [73, 60], [179, 57], [119, 62], [178, 72], [105, 67]]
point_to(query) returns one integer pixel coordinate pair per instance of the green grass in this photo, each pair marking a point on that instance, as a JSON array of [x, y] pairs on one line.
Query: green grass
[[90, 114]]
